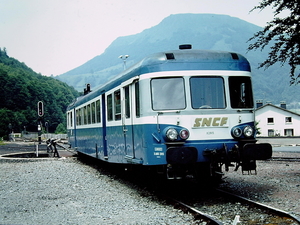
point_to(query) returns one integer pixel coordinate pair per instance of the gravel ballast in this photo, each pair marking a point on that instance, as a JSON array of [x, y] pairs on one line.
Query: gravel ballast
[[66, 191], [276, 184]]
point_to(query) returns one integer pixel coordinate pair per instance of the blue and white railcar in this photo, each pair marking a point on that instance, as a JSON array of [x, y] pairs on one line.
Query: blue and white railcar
[[183, 112]]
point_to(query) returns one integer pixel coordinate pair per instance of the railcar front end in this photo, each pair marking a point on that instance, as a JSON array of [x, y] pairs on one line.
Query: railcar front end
[[199, 121]]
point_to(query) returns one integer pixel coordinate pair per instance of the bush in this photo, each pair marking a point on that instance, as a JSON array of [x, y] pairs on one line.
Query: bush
[[61, 129]]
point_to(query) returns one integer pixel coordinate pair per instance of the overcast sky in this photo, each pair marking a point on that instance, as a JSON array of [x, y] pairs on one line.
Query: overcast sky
[[55, 36]]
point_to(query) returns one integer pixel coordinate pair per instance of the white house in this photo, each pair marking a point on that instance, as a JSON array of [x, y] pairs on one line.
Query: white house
[[277, 121]]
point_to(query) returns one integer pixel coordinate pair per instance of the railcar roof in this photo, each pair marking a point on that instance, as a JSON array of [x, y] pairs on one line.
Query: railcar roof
[[175, 60]]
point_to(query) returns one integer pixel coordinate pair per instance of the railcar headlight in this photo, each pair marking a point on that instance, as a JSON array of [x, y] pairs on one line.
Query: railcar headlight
[[248, 131], [237, 132], [172, 134], [184, 134]]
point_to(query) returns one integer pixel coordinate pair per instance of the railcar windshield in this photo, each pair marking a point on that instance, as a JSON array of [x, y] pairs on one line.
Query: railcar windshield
[[207, 92], [168, 93], [240, 92]]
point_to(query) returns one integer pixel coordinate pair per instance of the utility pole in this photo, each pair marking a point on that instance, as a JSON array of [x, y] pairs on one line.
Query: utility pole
[[124, 57]]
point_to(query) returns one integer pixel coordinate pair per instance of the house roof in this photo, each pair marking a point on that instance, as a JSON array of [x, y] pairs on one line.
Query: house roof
[[277, 107]]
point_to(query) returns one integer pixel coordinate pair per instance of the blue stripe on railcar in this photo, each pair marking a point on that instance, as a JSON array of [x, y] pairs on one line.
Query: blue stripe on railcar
[[90, 141], [146, 149]]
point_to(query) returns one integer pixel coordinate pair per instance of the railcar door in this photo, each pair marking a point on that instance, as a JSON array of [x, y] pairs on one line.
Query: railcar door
[[104, 127], [127, 125]]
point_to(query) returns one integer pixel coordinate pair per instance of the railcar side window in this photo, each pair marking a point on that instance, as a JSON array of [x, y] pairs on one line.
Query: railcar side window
[[137, 100], [88, 114], [117, 104], [240, 92], [168, 93], [207, 92], [71, 119], [78, 115], [109, 108], [98, 112], [84, 115], [127, 102], [93, 112]]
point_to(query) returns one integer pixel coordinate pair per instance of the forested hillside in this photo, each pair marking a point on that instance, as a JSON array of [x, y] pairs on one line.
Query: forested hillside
[[21, 89]]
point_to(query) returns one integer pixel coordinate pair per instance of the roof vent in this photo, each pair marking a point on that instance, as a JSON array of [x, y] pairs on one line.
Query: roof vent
[[170, 56], [186, 46], [234, 56]]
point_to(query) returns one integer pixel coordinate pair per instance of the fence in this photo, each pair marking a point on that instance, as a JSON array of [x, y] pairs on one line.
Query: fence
[[34, 135]]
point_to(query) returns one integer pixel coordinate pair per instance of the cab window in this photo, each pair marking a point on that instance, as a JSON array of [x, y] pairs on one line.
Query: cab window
[[168, 93]]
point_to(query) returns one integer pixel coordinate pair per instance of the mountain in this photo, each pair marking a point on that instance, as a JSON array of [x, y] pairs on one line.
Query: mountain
[[203, 31], [21, 89]]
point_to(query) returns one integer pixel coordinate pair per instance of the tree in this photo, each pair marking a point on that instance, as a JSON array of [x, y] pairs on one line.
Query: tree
[[61, 129], [283, 34]]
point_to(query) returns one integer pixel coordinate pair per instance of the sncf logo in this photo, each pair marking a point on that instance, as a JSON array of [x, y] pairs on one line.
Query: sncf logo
[[211, 122]]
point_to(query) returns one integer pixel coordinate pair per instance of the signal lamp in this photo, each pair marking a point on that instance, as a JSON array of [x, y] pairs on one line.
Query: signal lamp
[[40, 108], [184, 134]]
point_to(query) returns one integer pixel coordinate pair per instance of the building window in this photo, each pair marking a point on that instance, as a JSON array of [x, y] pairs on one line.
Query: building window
[[270, 120], [288, 119], [271, 133], [288, 132]]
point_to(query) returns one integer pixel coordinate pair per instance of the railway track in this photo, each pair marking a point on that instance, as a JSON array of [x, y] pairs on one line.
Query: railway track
[[286, 159], [278, 212], [272, 215]]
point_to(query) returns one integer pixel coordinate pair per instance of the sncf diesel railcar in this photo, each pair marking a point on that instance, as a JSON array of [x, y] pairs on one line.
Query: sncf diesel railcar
[[182, 112]]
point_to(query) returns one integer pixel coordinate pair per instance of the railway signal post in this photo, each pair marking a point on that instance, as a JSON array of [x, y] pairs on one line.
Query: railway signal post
[[40, 109]]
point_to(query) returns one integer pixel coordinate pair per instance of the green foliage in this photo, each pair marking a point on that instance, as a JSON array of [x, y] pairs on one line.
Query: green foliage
[[257, 128], [282, 34], [21, 89], [61, 129]]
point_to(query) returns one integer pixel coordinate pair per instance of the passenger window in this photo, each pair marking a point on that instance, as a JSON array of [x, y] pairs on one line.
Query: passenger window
[[77, 117], [98, 111], [88, 108], [117, 104], [78, 114], [93, 112], [127, 102], [71, 119], [137, 100], [109, 108], [84, 115]]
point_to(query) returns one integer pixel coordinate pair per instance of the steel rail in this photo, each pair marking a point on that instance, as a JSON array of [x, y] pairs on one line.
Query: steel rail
[[288, 159], [196, 213], [262, 206]]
